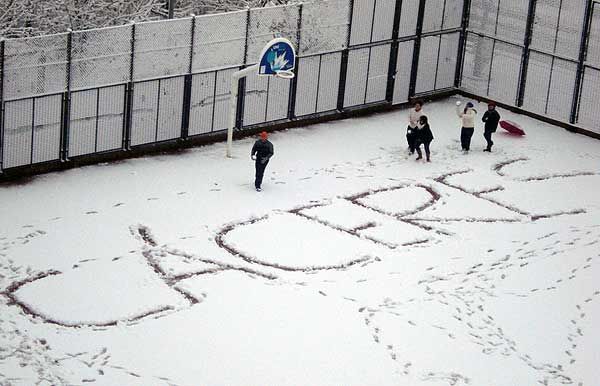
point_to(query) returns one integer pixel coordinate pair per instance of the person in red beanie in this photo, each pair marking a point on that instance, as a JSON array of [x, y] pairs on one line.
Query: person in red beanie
[[491, 118], [262, 151]]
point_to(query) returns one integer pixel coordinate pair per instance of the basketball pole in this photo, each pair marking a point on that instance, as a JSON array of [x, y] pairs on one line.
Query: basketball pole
[[272, 61], [235, 83]]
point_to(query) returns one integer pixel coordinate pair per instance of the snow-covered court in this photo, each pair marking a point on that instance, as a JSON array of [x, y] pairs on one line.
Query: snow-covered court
[[356, 264]]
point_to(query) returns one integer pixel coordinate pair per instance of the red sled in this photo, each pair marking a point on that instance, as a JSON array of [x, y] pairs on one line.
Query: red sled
[[512, 127]]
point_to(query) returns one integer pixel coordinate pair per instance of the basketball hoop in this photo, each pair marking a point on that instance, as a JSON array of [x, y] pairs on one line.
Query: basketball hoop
[[277, 58], [285, 74]]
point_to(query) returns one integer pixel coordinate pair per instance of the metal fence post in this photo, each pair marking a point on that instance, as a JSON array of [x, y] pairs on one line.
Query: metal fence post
[[344, 62], [239, 112], [187, 87], [370, 51], [581, 60], [391, 80], [66, 104], [417, 50], [526, 44], [1, 103], [171, 11], [462, 43], [129, 95], [294, 81]]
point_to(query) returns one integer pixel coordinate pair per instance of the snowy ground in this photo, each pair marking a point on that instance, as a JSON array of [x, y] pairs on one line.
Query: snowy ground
[[356, 265]]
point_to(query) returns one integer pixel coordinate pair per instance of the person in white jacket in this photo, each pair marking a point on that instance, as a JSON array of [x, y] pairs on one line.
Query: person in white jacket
[[413, 119], [467, 117]]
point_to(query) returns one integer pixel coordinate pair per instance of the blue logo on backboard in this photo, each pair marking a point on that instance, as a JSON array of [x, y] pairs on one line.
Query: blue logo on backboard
[[278, 55]]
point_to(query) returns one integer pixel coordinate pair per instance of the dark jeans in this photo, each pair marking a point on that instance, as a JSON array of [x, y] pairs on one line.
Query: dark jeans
[[426, 146], [465, 137], [411, 140], [260, 171], [488, 138]]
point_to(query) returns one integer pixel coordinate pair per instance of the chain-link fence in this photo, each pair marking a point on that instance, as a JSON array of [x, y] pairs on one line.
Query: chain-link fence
[[73, 95]]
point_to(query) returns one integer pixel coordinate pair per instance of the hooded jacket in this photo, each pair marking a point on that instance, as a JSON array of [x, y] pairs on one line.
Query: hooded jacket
[[424, 134], [467, 117], [263, 149], [491, 119], [413, 118]]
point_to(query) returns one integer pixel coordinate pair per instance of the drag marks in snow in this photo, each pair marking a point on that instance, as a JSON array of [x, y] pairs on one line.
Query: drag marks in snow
[[378, 217], [116, 286], [296, 244], [483, 194]]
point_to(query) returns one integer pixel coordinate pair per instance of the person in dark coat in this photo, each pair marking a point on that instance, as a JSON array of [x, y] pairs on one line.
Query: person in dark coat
[[262, 151], [491, 118], [413, 119], [423, 136]]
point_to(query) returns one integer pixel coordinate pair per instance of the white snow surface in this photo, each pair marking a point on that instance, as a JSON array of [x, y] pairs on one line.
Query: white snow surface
[[356, 264]]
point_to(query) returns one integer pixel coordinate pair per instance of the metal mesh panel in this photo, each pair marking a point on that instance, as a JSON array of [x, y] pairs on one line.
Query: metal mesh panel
[[453, 14], [210, 101], [17, 133], [278, 98], [82, 129], [483, 15], [589, 116], [537, 82], [408, 18], [255, 99], [544, 26], [504, 77], [111, 114], [170, 108], [269, 23], [562, 86], [222, 94], [356, 77], [162, 48], [403, 69], [202, 103], [434, 15], [476, 64], [324, 26], [100, 57], [318, 84], [144, 112], [307, 85], [512, 20], [378, 73], [219, 40], [329, 81], [362, 22], [34, 66], [384, 20], [427, 64], [593, 48], [46, 128], [570, 26], [446, 70]]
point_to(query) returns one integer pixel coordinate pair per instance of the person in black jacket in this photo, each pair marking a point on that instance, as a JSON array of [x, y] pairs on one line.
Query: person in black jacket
[[423, 136], [262, 151], [491, 118]]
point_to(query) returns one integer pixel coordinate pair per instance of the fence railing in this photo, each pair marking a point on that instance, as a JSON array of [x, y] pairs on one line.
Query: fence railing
[[555, 46], [74, 95]]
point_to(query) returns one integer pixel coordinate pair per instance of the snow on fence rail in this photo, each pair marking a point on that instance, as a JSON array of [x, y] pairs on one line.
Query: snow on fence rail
[[107, 90]]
